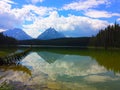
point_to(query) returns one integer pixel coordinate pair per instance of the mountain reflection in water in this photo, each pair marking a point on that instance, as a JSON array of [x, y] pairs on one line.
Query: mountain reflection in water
[[66, 70], [49, 56]]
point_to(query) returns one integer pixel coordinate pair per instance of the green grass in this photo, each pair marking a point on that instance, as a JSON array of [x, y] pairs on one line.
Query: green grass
[[6, 51], [6, 86]]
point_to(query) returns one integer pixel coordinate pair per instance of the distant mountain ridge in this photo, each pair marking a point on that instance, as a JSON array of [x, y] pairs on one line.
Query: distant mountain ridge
[[50, 33], [17, 33]]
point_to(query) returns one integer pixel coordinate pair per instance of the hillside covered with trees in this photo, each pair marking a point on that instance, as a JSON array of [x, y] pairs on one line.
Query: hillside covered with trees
[[108, 37], [5, 40]]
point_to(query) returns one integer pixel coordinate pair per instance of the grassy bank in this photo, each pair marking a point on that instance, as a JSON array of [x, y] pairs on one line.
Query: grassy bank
[[13, 58]]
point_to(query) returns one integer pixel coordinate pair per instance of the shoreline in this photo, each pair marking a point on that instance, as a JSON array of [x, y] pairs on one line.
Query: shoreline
[[56, 46]]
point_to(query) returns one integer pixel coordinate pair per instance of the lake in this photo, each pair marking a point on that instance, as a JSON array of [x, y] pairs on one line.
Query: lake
[[63, 69]]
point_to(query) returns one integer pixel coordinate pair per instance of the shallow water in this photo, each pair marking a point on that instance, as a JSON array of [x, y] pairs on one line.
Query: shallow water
[[65, 69]]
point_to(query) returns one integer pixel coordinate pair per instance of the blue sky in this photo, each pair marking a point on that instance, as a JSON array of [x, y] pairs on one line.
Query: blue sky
[[72, 17]]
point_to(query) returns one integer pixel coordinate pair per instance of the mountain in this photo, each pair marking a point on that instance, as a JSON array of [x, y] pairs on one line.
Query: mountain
[[50, 33], [17, 33]]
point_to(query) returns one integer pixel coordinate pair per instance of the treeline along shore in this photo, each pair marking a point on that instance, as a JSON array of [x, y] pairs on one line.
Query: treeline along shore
[[107, 38], [82, 41]]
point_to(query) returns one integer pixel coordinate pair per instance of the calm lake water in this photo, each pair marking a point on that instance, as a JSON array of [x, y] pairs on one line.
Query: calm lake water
[[64, 69]]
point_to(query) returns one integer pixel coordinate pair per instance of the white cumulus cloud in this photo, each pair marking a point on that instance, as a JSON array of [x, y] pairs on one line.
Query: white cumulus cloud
[[31, 12], [7, 19], [13, 17], [76, 25], [8, 1], [35, 1], [100, 14], [118, 19], [85, 4], [36, 19]]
